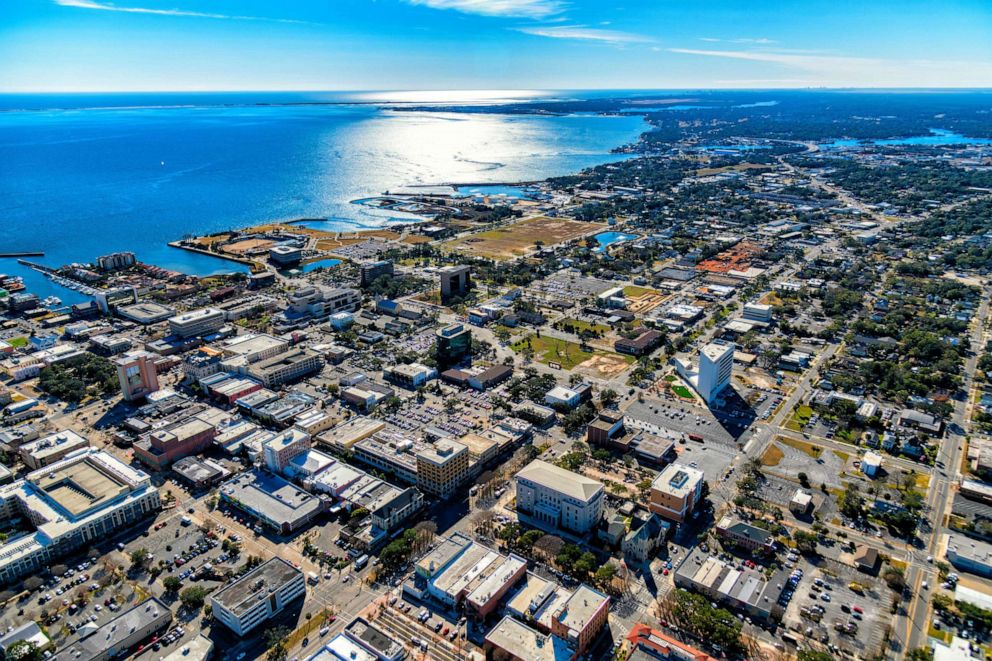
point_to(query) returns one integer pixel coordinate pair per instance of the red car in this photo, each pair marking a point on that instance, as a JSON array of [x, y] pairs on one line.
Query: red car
[[858, 609], [665, 572]]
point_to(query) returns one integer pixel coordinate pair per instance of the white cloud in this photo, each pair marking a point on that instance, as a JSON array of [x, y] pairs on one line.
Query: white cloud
[[582, 33], [761, 41], [509, 8], [107, 6], [843, 70]]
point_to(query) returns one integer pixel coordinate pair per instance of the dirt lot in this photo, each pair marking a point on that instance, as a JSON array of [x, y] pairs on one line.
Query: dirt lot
[[518, 238], [643, 300], [605, 366], [247, 246]]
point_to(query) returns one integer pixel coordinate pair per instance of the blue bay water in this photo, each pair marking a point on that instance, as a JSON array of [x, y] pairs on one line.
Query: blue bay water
[[607, 239], [81, 182]]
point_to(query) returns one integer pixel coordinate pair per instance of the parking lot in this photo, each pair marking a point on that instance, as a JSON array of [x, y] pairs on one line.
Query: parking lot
[[841, 607], [424, 632]]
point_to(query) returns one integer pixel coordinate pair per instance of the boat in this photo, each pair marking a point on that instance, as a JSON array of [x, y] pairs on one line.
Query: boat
[[52, 301]]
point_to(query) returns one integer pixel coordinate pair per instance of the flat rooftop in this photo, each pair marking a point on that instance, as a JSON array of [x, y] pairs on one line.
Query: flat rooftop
[[80, 486], [580, 608], [521, 640], [271, 496], [558, 479], [149, 615], [678, 480], [245, 345], [258, 584], [374, 637]]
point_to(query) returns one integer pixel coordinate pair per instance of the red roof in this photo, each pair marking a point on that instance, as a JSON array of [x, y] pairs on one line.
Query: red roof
[[643, 635]]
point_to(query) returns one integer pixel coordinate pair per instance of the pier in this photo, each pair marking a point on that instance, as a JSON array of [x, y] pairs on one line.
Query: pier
[[29, 253]]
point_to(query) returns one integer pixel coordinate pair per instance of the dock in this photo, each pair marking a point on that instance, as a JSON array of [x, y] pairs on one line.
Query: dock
[[30, 253]]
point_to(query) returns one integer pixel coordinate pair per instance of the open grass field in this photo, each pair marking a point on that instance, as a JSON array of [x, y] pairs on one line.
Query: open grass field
[[517, 239], [17, 342], [580, 325], [332, 243], [800, 416], [553, 350], [682, 391]]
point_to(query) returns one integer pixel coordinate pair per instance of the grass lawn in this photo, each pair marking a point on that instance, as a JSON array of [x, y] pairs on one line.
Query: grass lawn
[[812, 450], [800, 416], [634, 291], [772, 456], [842, 455], [17, 342], [580, 325], [682, 391], [944, 636], [553, 350]]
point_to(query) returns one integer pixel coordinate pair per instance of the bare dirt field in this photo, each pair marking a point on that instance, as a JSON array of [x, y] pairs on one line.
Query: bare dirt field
[[519, 238], [247, 246], [605, 365]]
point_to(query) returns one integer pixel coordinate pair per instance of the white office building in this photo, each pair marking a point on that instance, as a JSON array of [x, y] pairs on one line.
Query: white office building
[[716, 367], [197, 322], [555, 499], [258, 595]]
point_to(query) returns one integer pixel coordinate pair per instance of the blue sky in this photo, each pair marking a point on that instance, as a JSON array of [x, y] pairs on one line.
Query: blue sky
[[124, 45]]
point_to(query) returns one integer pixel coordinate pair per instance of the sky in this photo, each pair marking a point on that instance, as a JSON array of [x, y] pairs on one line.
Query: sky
[[184, 45]]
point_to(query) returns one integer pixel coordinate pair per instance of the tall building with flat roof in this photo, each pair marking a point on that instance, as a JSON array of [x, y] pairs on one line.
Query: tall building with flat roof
[[197, 322], [442, 468], [716, 366], [137, 375], [455, 282], [290, 366], [372, 271], [258, 596], [454, 344], [281, 449], [676, 491], [555, 499]]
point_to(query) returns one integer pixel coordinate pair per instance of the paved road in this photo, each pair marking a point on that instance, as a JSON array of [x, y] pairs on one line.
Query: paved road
[[911, 632]]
